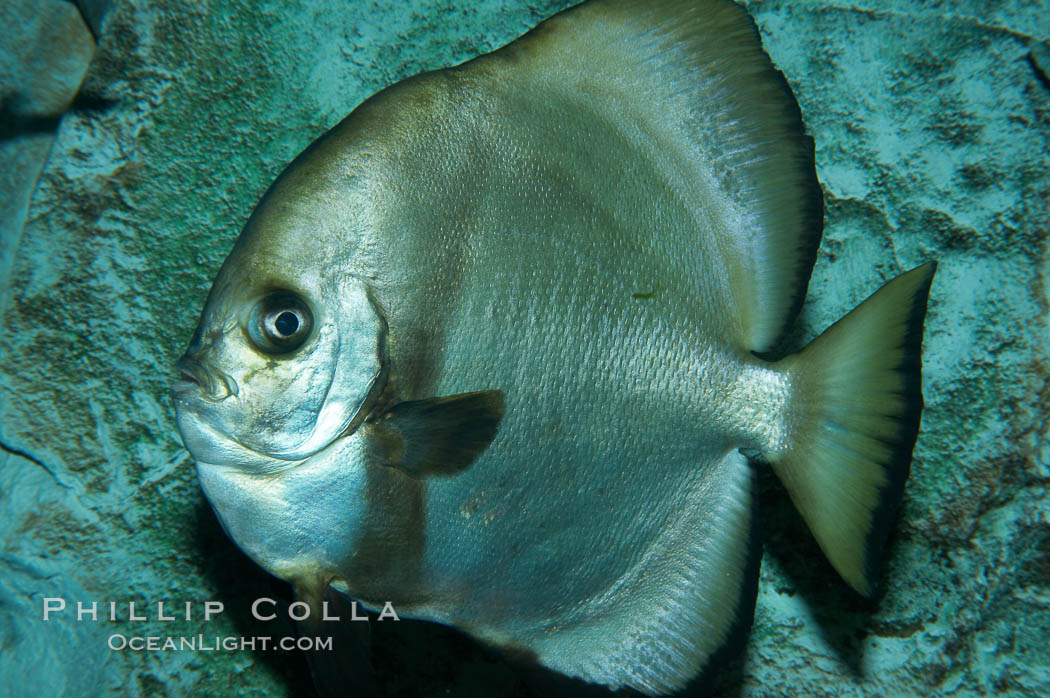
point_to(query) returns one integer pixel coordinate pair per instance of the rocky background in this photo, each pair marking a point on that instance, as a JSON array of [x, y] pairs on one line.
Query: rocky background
[[135, 139]]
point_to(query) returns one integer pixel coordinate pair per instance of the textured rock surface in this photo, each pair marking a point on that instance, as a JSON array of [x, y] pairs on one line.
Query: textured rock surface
[[932, 127], [41, 66]]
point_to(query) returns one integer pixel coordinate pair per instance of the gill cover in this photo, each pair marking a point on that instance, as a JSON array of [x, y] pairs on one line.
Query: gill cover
[[305, 398], [295, 383]]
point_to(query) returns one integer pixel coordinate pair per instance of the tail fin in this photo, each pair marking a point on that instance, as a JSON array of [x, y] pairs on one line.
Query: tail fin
[[861, 387]]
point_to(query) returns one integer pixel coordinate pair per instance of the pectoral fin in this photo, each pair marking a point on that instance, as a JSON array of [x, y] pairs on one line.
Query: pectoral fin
[[345, 667], [438, 436]]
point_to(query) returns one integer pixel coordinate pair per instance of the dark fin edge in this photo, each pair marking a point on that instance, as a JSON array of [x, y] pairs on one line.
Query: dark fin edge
[[744, 614], [899, 466], [812, 209]]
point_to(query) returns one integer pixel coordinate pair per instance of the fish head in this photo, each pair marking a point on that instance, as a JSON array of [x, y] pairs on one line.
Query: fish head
[[288, 352]]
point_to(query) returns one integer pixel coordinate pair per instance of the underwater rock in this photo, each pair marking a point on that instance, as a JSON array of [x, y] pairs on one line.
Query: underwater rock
[[43, 658], [42, 62], [94, 13], [44, 52], [932, 125]]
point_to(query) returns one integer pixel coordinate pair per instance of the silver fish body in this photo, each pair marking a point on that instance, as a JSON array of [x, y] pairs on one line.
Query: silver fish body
[[522, 299]]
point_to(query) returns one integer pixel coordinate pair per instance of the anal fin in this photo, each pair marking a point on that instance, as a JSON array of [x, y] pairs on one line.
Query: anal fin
[[687, 604]]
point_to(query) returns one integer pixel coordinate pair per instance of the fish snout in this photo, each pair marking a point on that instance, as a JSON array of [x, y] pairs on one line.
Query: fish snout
[[195, 376]]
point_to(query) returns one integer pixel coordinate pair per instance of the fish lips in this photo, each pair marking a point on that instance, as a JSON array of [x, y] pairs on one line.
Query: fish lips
[[199, 389], [201, 381]]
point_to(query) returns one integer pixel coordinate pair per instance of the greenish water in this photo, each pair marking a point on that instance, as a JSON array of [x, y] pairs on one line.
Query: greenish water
[[931, 125]]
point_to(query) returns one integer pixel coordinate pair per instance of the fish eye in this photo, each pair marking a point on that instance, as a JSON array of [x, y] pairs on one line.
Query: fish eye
[[280, 323]]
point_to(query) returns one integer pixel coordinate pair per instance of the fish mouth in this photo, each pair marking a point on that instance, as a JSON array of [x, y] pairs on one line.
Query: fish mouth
[[212, 386]]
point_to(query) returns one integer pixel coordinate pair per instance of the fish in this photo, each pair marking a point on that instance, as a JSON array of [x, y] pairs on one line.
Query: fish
[[500, 350]]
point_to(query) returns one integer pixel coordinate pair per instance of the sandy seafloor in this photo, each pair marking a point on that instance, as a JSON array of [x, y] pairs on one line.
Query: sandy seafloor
[[121, 197]]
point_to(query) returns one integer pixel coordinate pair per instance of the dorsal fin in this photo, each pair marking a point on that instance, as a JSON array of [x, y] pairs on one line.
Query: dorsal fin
[[693, 75]]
